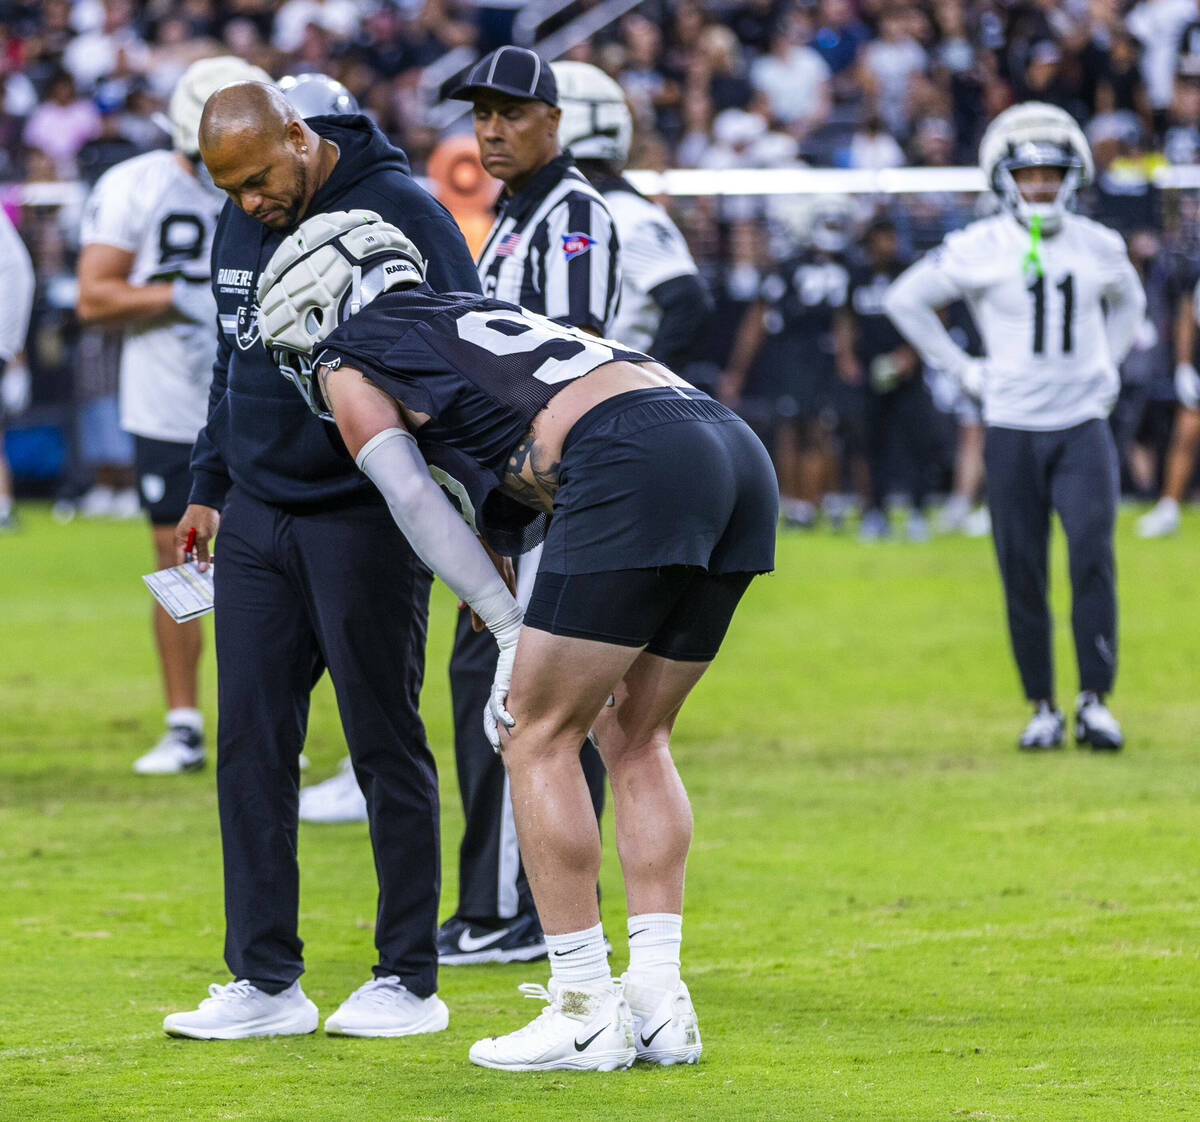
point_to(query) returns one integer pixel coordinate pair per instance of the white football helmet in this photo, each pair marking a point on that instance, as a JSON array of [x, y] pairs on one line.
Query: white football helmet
[[320, 276], [824, 222], [596, 123], [317, 95], [1035, 134], [199, 82]]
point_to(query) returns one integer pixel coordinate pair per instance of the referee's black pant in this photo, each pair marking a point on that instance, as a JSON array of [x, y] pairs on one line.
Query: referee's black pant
[[1075, 473], [296, 594], [491, 882]]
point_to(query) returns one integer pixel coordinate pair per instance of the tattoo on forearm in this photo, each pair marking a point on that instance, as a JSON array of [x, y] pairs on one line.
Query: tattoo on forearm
[[528, 478], [323, 382]]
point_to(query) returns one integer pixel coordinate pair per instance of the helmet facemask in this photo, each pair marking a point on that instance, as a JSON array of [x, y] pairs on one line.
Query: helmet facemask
[[325, 273], [1049, 215]]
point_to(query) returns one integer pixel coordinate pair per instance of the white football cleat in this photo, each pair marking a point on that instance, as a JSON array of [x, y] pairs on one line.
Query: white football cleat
[[338, 799], [665, 1029], [1095, 726], [978, 524], [180, 749], [582, 1029], [384, 1007], [1160, 520], [239, 1009], [1046, 729]]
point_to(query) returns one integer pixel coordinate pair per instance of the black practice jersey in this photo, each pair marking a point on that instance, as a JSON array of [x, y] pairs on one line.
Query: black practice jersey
[[875, 334], [481, 370], [801, 296]]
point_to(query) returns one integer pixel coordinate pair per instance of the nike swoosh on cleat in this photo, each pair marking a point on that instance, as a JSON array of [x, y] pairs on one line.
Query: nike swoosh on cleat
[[559, 954], [580, 1047], [646, 1039], [468, 942]]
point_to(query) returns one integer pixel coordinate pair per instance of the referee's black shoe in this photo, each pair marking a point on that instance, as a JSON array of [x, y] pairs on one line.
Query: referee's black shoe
[[465, 942]]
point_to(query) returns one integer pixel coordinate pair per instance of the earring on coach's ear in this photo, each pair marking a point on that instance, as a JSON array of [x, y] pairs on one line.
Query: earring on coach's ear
[[303, 147]]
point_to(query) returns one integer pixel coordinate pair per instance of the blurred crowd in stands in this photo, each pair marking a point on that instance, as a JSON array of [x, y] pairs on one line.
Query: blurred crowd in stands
[[857, 84]]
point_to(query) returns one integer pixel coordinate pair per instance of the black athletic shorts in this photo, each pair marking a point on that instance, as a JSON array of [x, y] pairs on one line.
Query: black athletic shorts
[[666, 507], [164, 478]]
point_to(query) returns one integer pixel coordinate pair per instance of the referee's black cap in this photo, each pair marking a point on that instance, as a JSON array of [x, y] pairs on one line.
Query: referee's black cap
[[516, 71]]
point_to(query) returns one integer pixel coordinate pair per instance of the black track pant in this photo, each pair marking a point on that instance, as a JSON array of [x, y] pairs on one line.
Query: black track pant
[[491, 882], [1073, 472], [900, 432], [296, 594]]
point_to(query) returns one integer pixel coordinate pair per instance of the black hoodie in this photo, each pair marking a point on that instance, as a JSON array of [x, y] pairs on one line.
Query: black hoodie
[[260, 434]]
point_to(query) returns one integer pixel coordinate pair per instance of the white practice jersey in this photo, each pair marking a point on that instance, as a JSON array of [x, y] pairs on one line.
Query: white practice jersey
[[152, 208], [1053, 338], [17, 281], [652, 252]]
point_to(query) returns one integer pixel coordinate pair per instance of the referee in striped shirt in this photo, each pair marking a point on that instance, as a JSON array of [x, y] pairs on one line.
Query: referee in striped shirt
[[553, 249]]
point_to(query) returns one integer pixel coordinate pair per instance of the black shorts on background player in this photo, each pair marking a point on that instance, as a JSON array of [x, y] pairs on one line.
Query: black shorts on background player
[[164, 478]]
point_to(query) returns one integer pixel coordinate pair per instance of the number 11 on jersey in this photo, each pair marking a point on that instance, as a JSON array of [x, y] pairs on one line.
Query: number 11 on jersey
[[1038, 290]]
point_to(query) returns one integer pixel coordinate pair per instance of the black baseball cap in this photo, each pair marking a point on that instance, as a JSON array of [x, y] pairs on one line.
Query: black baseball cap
[[516, 71]]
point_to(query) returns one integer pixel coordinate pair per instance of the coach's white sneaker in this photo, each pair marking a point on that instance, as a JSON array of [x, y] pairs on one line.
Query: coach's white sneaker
[[665, 1029], [239, 1009], [1160, 520], [338, 799], [1095, 726], [383, 1007], [180, 749], [582, 1029]]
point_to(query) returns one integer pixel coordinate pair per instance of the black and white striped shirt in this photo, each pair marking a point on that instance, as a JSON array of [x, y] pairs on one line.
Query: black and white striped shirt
[[554, 250]]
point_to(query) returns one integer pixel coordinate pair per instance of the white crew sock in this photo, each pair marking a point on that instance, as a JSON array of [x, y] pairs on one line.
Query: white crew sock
[[578, 959], [654, 942], [189, 718]]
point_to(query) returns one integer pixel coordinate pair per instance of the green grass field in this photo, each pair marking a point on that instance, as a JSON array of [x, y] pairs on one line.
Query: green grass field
[[892, 914]]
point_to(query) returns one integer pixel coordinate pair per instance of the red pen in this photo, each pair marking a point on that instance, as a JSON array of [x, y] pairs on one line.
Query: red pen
[[190, 544]]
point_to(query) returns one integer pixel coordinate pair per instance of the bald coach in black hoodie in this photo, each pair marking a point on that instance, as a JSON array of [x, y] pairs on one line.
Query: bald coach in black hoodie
[[313, 575]]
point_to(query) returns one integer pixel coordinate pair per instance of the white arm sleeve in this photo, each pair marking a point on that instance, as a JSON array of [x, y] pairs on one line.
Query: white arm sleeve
[[1125, 300], [16, 269], [911, 304], [437, 534]]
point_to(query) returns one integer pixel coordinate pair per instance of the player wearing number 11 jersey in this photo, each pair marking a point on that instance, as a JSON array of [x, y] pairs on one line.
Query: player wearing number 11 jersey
[[1057, 302]]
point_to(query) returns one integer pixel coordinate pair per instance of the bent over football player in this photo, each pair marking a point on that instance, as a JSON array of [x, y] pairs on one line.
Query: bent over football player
[[1057, 302], [664, 506]]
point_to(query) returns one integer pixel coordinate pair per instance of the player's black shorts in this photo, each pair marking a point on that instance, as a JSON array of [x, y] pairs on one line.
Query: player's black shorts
[[667, 505], [164, 478]]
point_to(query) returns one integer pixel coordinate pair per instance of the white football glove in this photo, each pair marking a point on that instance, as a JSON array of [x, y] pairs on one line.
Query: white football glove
[[15, 388], [1187, 385], [973, 377], [496, 713]]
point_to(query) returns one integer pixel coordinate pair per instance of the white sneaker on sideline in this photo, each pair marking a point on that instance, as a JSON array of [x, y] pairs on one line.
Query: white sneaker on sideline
[[1095, 726], [180, 749], [383, 1007], [96, 502], [978, 524], [665, 1029], [338, 799], [1044, 730], [125, 505], [582, 1029], [1160, 520], [239, 1009]]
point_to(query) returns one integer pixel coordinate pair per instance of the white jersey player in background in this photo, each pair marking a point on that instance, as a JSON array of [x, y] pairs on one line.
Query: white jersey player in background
[[16, 278], [1058, 303], [664, 303], [147, 238]]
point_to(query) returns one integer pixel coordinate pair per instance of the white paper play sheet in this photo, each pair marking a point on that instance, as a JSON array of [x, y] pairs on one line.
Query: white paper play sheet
[[183, 591]]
